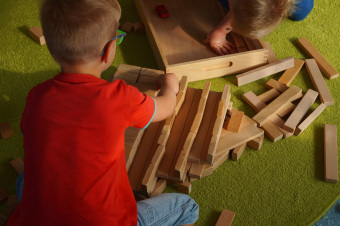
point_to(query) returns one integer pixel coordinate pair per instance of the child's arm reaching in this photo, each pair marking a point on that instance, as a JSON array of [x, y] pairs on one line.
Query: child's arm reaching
[[166, 99], [217, 37]]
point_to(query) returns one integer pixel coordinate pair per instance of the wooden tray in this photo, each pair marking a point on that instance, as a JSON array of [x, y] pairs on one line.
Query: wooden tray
[[178, 41]]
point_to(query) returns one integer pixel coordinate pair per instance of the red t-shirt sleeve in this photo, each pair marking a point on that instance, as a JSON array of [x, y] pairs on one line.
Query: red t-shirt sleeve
[[141, 107]]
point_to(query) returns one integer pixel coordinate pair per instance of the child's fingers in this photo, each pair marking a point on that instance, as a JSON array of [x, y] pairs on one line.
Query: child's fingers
[[217, 50]]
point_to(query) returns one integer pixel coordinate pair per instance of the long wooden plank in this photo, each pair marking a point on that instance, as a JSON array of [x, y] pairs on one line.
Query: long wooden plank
[[269, 95], [276, 105], [288, 76], [175, 136], [185, 137], [264, 71], [300, 110], [132, 139], [318, 82], [331, 154], [324, 65], [309, 119], [142, 154], [198, 145]]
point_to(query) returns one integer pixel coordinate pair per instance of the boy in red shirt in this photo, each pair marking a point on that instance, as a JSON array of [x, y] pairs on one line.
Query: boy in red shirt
[[74, 123]]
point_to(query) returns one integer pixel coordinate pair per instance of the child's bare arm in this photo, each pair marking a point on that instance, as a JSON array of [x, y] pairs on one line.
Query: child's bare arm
[[217, 37], [166, 99]]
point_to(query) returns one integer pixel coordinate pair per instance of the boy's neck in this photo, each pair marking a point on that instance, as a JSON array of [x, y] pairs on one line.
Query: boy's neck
[[88, 68]]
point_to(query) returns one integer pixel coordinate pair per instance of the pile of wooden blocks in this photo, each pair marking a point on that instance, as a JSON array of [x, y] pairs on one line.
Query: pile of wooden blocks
[[189, 145], [275, 104]]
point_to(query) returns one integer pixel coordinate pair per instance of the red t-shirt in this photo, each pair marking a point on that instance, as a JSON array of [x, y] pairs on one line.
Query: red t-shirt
[[75, 171]]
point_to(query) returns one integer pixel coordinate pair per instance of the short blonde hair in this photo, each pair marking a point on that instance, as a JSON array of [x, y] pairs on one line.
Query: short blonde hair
[[76, 31], [257, 18]]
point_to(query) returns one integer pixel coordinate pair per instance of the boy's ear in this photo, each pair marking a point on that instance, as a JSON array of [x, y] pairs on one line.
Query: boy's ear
[[107, 52]]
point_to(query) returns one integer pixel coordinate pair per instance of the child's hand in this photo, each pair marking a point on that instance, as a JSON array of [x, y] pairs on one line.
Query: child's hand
[[169, 82], [217, 41]]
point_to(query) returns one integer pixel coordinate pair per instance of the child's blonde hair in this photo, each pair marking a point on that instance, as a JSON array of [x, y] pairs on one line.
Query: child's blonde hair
[[76, 31], [257, 18]]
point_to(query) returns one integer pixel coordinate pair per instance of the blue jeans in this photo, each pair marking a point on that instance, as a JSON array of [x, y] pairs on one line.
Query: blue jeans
[[165, 209]]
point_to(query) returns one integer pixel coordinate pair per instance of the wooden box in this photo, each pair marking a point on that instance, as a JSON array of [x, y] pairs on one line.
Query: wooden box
[[178, 41]]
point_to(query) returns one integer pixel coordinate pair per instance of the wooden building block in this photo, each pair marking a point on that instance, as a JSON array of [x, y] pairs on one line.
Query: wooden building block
[[5, 130], [271, 54], [18, 165], [37, 35], [253, 101], [286, 110], [150, 174], [139, 28], [199, 150], [276, 105], [3, 195], [258, 44], [159, 187], [272, 131], [150, 72], [148, 80], [300, 110], [323, 64], [309, 119], [150, 90], [226, 218], [256, 143], [217, 128], [132, 138], [196, 170], [183, 157], [12, 203], [239, 43], [238, 151], [127, 27], [272, 83], [330, 154], [184, 187], [129, 68], [318, 82], [235, 121], [269, 95], [183, 84], [264, 71], [288, 76]]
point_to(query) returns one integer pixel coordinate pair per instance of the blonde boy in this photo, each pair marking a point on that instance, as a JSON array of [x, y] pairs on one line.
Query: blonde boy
[[254, 19], [74, 123]]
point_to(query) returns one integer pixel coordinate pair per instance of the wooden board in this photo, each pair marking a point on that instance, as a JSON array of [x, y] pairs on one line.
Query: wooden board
[[269, 95], [37, 35], [288, 76], [330, 154], [276, 105], [197, 152], [324, 65], [300, 110], [132, 139], [176, 134], [318, 82], [309, 119], [235, 121], [178, 43], [272, 83], [264, 71]]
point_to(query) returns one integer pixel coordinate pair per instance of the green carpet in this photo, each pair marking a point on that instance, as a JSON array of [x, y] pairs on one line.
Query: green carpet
[[282, 184]]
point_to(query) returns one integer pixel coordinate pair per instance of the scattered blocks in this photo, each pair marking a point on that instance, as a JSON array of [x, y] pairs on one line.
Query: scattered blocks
[[5, 130], [318, 82], [330, 154], [234, 123], [238, 151], [226, 218], [159, 187], [256, 144], [324, 65], [184, 187], [288, 76], [271, 54], [264, 71], [272, 83], [37, 35], [309, 119]]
